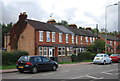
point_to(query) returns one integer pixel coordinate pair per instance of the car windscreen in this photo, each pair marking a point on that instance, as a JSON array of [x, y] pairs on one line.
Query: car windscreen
[[24, 58], [99, 55], [114, 55]]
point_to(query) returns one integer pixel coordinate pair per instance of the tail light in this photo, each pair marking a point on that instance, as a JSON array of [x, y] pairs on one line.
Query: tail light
[[28, 63], [17, 62]]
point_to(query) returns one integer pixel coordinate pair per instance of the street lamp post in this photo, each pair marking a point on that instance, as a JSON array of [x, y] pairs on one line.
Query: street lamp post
[[106, 25]]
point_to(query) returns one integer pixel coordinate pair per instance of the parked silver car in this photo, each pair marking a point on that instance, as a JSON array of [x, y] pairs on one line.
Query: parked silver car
[[102, 59]]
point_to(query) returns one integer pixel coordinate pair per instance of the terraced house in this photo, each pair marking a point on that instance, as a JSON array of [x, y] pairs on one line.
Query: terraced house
[[48, 39], [113, 43]]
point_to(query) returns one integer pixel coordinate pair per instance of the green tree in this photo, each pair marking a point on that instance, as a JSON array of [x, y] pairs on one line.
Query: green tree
[[95, 30], [5, 30], [97, 47], [63, 22]]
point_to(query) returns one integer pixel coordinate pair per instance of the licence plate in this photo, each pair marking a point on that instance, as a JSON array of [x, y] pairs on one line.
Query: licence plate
[[20, 67], [97, 58]]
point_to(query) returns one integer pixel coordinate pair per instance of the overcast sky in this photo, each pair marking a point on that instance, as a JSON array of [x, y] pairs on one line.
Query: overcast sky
[[83, 13]]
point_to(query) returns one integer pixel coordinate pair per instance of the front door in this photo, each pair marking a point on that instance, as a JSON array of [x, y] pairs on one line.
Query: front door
[[51, 52]]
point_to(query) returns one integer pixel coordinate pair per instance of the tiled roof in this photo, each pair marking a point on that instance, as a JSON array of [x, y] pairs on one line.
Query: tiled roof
[[110, 37], [43, 26], [64, 29], [82, 32]]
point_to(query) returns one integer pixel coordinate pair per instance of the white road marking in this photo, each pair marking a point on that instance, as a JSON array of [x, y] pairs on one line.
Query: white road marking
[[116, 73], [94, 77], [25, 77], [111, 70], [107, 73], [47, 74], [64, 71], [77, 77]]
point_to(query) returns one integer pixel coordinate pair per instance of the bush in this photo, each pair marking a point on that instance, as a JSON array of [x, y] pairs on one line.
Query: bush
[[9, 58], [82, 56], [74, 58]]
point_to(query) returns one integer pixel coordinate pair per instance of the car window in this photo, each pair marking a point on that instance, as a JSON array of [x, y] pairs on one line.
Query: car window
[[38, 59], [32, 59], [114, 55], [99, 55], [106, 55], [24, 58], [45, 59]]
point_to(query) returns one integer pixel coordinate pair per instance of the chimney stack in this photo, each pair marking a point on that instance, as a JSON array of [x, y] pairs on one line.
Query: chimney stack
[[88, 28], [51, 21], [73, 26], [22, 16]]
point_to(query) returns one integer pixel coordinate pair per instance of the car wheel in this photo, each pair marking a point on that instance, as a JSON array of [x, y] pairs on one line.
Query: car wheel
[[21, 71], [34, 70], [54, 68], [104, 62]]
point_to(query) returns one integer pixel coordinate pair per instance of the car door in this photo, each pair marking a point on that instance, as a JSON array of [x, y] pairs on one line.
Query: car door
[[39, 63], [46, 63]]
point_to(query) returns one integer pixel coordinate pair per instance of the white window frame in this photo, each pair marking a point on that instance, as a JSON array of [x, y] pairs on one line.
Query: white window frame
[[81, 38], [41, 36], [53, 36], [76, 39], [61, 51], [40, 51], [47, 36], [91, 40], [115, 43], [86, 39], [67, 38], [73, 38], [111, 43], [60, 37], [45, 50]]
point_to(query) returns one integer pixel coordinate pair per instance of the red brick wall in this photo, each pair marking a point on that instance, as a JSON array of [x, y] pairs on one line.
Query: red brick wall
[[27, 40]]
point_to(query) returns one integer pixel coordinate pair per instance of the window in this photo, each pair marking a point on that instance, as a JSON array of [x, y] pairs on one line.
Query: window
[[60, 37], [76, 39], [73, 38], [81, 39], [91, 40], [66, 38], [40, 50], [48, 36], [111, 43], [41, 36], [53, 36], [114, 43], [45, 59], [45, 51], [61, 51], [86, 38]]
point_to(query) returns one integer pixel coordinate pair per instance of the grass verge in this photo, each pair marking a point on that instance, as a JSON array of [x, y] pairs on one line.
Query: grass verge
[[75, 62], [8, 67]]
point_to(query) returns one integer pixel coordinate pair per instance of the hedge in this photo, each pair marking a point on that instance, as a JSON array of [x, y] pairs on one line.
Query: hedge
[[82, 56], [9, 58]]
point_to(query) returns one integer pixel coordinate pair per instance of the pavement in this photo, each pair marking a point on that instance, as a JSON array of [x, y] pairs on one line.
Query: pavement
[[15, 70]]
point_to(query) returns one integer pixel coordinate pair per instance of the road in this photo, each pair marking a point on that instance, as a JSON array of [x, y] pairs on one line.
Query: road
[[71, 72]]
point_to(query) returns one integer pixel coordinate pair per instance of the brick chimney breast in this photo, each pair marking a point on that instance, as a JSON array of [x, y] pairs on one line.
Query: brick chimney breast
[[22, 16], [51, 21], [73, 26]]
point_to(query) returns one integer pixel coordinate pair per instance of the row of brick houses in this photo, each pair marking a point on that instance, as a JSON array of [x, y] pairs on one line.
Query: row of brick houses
[[51, 40]]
